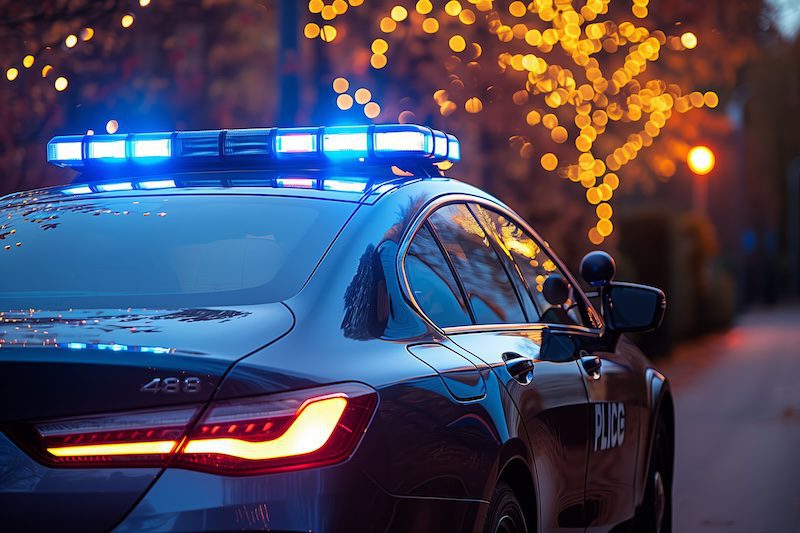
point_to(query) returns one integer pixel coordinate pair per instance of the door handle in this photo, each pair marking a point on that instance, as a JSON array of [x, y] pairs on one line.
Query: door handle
[[592, 364], [520, 367]]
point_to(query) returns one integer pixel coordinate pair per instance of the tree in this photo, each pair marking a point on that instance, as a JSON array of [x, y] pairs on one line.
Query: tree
[[591, 91]]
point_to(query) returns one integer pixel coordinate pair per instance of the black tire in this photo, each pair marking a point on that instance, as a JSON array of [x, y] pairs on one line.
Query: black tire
[[505, 513], [655, 513]]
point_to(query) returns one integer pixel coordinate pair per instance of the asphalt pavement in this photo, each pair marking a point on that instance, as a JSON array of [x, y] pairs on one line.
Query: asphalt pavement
[[737, 397]]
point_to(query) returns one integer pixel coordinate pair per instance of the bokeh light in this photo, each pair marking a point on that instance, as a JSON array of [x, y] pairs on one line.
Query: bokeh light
[[372, 110], [344, 101], [340, 85], [61, 83], [689, 40], [399, 13], [363, 96], [701, 160]]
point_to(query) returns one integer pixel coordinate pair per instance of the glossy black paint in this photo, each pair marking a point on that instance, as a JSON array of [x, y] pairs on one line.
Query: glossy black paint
[[455, 414]]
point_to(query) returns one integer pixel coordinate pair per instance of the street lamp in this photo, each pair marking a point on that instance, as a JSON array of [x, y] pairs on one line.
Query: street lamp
[[701, 161]]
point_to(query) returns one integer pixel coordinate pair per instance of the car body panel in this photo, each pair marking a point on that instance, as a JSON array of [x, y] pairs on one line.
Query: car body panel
[[554, 411]]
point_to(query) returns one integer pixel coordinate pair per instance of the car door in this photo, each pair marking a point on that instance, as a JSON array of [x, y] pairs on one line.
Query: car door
[[549, 392], [614, 393]]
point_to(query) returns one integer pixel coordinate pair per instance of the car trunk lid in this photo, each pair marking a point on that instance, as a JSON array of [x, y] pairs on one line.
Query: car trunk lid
[[67, 363]]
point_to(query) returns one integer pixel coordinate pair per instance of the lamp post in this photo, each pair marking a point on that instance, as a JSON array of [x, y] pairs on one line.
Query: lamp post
[[701, 161]]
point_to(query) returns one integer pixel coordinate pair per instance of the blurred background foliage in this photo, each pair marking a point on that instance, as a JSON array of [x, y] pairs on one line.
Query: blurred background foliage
[[72, 66]]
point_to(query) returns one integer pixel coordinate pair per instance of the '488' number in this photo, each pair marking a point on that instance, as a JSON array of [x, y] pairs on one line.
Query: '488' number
[[172, 385]]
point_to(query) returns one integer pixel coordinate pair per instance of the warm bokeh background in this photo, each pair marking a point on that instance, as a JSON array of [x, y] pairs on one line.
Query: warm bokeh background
[[527, 87]]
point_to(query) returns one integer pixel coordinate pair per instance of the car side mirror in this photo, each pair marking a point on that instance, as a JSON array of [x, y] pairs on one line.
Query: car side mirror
[[629, 307]]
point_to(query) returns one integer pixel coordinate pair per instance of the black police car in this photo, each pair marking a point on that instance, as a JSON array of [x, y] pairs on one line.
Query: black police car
[[312, 330]]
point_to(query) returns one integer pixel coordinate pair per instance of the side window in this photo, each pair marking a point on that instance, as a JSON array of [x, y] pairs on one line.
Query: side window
[[432, 282], [536, 267], [489, 291]]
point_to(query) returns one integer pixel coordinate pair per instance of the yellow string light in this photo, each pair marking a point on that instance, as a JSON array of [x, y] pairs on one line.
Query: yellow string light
[[598, 98], [61, 83]]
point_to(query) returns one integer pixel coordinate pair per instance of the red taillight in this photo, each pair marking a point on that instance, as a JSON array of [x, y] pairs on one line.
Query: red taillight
[[301, 429], [296, 430], [144, 438]]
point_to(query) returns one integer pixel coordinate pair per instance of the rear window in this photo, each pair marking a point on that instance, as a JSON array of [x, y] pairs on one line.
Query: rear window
[[165, 251]]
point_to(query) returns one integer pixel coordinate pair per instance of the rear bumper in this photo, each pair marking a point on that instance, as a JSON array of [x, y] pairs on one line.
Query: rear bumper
[[331, 499], [34, 497]]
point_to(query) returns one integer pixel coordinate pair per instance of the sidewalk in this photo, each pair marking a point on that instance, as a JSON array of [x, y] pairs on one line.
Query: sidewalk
[[737, 398]]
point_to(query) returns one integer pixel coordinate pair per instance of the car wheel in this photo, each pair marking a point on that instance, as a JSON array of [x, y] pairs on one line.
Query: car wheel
[[505, 513], [655, 513]]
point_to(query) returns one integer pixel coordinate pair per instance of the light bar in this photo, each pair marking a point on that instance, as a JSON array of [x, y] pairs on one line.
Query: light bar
[[336, 144], [113, 187], [345, 142], [411, 140], [344, 185], [81, 189], [296, 141], [453, 148], [297, 183], [107, 147], [153, 145], [157, 184], [66, 151]]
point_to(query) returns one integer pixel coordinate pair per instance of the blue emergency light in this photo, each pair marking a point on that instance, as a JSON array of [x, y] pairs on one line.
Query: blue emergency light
[[386, 144]]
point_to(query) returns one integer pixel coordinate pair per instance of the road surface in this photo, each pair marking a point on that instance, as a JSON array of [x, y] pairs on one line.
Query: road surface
[[737, 397]]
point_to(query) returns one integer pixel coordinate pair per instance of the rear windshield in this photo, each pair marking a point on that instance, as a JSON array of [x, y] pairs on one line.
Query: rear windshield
[[162, 251]]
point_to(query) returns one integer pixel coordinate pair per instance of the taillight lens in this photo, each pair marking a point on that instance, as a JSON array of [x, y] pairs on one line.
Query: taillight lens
[[144, 438], [300, 429]]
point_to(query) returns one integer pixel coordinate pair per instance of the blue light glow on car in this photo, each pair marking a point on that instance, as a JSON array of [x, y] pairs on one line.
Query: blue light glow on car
[[158, 350]]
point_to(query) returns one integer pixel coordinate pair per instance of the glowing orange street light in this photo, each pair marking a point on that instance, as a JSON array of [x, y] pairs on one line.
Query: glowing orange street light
[[701, 160]]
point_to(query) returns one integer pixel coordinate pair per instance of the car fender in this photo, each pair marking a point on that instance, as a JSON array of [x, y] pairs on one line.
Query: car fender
[[659, 397]]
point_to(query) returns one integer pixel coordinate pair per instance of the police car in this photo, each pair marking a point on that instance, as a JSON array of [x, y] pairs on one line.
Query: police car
[[312, 329]]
